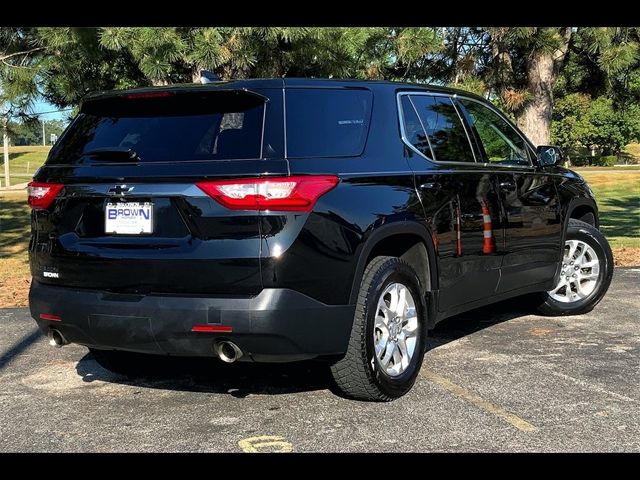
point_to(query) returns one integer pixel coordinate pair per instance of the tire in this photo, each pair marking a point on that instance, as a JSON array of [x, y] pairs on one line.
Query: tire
[[122, 363], [581, 232], [360, 374]]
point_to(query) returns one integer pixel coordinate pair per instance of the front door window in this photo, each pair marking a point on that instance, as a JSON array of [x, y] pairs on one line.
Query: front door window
[[502, 144]]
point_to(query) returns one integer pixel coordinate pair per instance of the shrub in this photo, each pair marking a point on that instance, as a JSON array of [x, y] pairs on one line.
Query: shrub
[[580, 160], [588, 160], [606, 161], [631, 154]]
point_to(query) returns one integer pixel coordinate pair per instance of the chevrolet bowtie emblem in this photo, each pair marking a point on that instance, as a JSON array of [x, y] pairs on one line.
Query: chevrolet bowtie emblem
[[120, 190]]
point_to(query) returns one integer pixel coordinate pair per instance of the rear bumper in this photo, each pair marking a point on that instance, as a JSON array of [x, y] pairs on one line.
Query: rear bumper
[[275, 325]]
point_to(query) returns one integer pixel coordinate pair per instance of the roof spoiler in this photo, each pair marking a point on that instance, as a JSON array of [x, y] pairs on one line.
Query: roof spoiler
[[139, 96]]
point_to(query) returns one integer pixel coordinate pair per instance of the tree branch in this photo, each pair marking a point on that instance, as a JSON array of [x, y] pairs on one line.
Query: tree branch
[[12, 65], [15, 54], [561, 53]]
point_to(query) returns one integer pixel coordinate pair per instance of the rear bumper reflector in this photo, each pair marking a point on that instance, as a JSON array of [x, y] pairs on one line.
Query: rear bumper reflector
[[51, 317], [212, 328]]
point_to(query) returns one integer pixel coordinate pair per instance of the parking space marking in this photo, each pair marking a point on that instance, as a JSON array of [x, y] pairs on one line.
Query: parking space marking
[[588, 385], [478, 401], [265, 444]]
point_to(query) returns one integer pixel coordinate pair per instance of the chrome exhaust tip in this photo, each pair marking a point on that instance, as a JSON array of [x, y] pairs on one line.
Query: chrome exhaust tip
[[228, 351], [56, 339]]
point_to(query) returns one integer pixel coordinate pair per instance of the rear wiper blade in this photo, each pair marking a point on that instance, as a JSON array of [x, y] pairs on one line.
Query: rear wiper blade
[[113, 153]]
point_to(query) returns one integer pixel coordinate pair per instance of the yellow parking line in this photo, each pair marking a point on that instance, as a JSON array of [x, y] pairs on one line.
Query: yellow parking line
[[265, 443], [478, 401]]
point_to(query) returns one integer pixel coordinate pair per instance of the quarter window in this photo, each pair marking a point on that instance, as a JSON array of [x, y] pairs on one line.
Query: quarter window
[[413, 128], [502, 144], [327, 122], [441, 122]]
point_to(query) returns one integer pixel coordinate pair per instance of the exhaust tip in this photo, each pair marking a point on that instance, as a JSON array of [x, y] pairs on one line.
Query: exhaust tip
[[56, 339], [228, 351]]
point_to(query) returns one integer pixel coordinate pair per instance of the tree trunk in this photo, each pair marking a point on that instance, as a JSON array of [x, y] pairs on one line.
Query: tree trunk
[[535, 117], [542, 71], [195, 73], [5, 146]]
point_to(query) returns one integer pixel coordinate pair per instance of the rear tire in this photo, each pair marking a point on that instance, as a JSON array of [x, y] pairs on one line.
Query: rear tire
[[587, 271], [375, 369]]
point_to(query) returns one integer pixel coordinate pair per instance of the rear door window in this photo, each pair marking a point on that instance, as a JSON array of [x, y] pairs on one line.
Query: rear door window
[[327, 122], [181, 127], [442, 124]]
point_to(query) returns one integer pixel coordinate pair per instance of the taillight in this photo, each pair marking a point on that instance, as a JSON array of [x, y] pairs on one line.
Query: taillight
[[290, 194], [42, 194]]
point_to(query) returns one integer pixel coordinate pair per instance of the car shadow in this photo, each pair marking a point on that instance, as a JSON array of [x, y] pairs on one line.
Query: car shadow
[[473, 321], [620, 218], [210, 375]]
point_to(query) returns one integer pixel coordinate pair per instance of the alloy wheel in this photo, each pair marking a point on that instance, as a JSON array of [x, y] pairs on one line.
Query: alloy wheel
[[579, 274], [395, 329]]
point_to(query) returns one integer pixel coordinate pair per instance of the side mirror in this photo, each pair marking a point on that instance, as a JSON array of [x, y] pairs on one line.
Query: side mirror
[[548, 156]]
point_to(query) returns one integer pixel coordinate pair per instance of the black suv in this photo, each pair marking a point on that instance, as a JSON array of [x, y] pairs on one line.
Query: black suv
[[288, 219]]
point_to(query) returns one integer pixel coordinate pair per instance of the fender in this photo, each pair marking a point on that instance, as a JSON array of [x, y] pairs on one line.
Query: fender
[[386, 231]]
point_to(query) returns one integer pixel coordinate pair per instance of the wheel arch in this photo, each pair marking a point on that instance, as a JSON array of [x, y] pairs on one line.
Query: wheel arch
[[584, 210], [581, 208], [408, 240]]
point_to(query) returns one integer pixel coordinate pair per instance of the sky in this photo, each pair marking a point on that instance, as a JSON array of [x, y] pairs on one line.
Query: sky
[[42, 105]]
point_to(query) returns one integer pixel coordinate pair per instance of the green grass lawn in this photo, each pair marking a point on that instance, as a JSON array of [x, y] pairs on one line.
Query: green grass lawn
[[15, 225], [618, 196], [24, 161], [615, 168]]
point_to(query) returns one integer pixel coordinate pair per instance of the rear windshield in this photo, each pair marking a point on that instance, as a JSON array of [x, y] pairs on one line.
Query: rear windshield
[[178, 127], [327, 122]]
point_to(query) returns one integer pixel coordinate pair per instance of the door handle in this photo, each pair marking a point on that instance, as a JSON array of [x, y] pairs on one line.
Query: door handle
[[507, 186], [430, 186]]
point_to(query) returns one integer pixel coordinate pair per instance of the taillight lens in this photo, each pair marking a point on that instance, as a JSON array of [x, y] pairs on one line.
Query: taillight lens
[[42, 194], [290, 194]]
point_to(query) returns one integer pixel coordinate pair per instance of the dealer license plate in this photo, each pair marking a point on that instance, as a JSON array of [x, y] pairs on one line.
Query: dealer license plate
[[129, 218]]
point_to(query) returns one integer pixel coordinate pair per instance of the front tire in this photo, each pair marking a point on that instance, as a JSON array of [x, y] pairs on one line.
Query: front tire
[[386, 346], [586, 272]]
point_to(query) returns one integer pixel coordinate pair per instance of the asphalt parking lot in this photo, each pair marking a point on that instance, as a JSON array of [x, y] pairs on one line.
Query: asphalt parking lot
[[495, 379]]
